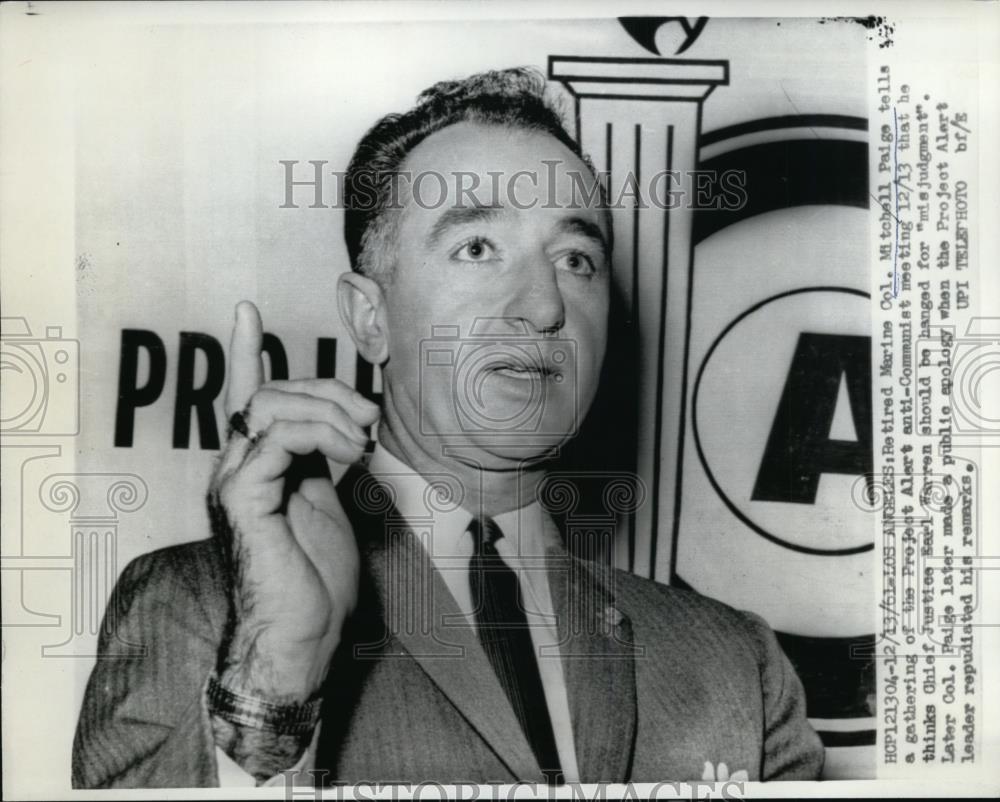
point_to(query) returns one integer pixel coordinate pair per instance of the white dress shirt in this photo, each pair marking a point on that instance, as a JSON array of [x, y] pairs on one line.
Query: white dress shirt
[[522, 547]]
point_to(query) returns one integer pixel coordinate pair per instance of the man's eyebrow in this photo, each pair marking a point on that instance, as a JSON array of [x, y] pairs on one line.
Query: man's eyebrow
[[585, 228], [460, 216]]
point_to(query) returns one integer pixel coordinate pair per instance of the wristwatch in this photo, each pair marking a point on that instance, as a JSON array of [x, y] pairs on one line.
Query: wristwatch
[[250, 711]]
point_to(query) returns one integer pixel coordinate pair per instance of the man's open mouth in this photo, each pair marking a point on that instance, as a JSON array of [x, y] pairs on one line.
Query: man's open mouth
[[520, 370]]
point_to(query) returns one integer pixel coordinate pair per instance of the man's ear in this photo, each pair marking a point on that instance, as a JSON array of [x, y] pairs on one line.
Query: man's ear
[[362, 308]]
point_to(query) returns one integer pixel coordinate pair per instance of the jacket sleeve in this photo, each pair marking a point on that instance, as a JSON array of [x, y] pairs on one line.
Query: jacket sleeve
[[792, 749], [144, 723]]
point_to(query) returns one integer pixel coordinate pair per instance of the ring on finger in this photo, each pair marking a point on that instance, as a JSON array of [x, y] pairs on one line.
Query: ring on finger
[[238, 424]]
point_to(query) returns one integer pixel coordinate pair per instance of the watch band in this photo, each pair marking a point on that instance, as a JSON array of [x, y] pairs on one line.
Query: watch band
[[250, 711]]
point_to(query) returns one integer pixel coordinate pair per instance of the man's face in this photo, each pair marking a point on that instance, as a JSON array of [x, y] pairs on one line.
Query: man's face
[[498, 307]]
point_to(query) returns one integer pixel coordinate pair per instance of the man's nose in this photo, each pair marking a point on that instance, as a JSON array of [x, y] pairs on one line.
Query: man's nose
[[538, 299]]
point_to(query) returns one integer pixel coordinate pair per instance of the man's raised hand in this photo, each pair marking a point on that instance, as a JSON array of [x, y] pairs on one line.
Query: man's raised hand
[[295, 566]]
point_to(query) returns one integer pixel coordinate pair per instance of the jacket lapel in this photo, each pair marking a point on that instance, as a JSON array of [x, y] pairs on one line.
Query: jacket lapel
[[420, 613], [598, 658]]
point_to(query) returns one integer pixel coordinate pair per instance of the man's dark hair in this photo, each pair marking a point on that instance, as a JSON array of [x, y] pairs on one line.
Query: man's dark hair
[[515, 98]]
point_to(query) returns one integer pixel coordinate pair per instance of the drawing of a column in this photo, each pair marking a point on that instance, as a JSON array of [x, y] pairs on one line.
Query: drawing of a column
[[639, 120], [94, 502], [590, 533]]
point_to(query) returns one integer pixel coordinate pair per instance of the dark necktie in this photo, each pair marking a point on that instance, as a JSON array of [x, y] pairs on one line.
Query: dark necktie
[[503, 632]]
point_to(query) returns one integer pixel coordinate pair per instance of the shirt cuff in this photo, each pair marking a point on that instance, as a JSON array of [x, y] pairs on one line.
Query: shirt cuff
[[231, 775]]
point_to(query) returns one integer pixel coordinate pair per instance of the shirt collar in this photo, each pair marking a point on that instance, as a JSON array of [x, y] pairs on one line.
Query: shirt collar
[[524, 528]]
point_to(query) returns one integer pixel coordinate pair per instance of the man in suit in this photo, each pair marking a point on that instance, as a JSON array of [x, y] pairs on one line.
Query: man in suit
[[417, 615]]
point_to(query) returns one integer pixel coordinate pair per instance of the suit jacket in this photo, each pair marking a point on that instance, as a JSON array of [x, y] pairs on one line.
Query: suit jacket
[[660, 681]]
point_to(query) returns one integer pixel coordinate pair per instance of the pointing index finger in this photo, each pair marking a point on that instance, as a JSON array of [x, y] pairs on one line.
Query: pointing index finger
[[246, 368]]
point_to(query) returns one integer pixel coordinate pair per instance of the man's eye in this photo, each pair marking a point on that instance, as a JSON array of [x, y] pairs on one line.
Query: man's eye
[[476, 250], [576, 262]]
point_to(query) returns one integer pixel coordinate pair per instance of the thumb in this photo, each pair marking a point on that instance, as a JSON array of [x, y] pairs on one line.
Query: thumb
[[322, 494], [331, 552]]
